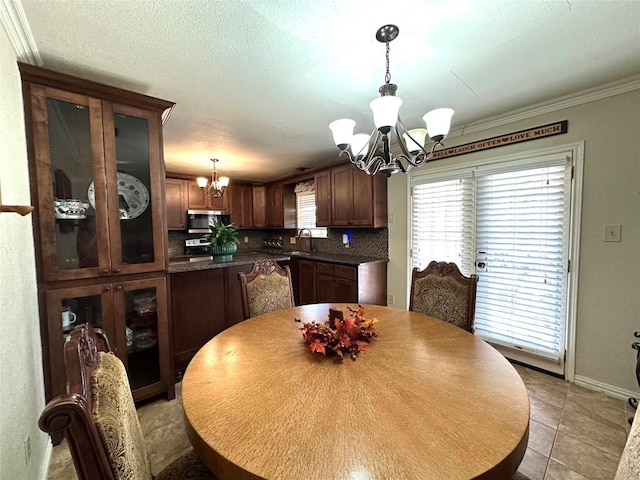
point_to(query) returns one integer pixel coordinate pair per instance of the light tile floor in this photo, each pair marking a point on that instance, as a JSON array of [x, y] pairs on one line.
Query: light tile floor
[[574, 434]]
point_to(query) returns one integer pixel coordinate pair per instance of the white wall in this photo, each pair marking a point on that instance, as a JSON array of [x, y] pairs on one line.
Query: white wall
[[21, 379], [609, 281]]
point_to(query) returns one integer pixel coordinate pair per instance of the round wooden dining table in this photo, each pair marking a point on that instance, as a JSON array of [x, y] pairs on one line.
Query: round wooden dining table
[[425, 400]]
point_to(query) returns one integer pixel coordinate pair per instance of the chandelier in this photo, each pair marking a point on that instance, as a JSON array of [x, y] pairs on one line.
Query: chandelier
[[218, 184], [364, 150]]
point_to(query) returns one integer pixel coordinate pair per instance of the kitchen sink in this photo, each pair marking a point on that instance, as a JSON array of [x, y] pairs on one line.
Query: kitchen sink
[[298, 253]]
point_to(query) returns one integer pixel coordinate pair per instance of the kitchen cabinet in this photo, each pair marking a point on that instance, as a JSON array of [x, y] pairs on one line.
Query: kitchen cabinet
[[348, 197], [336, 283], [259, 205], [275, 205], [176, 197], [241, 205], [130, 313], [323, 282], [357, 199], [322, 182], [233, 294], [198, 312], [98, 184], [306, 273], [197, 200]]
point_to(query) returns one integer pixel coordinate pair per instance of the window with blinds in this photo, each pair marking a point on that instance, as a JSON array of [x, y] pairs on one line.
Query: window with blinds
[[306, 214], [508, 223]]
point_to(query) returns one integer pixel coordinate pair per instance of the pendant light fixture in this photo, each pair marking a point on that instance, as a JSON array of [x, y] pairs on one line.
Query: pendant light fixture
[[364, 150], [217, 186]]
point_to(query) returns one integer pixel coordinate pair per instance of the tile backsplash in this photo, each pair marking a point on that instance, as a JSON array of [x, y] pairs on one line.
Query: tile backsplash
[[366, 242]]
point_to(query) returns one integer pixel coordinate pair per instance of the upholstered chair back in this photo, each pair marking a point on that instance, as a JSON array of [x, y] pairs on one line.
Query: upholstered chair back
[[98, 418], [443, 292], [266, 288]]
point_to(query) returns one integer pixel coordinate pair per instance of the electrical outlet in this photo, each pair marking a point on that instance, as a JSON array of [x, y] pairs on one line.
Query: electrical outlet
[[27, 449], [293, 240], [392, 217], [612, 233], [392, 299], [246, 239]]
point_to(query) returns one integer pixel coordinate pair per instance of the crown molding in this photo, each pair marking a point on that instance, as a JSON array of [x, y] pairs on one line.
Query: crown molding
[[574, 99], [14, 21]]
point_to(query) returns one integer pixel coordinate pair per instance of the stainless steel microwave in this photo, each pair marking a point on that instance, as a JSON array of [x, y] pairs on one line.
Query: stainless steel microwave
[[198, 221]]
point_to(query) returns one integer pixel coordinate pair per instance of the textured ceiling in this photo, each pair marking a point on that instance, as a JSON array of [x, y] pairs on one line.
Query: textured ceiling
[[257, 82]]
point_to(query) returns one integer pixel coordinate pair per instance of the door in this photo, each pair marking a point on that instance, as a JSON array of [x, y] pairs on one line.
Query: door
[[176, 203], [510, 224], [69, 158], [141, 333], [134, 189], [341, 196], [306, 282], [323, 199], [66, 309]]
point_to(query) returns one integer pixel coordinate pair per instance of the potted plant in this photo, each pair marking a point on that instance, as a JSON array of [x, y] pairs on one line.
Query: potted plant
[[224, 241]]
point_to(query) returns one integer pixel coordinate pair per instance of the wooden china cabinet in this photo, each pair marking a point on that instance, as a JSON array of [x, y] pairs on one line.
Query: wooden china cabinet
[[97, 180]]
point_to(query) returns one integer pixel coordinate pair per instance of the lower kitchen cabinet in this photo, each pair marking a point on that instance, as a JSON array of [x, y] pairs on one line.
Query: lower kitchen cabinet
[[233, 294], [132, 313], [323, 282], [198, 312]]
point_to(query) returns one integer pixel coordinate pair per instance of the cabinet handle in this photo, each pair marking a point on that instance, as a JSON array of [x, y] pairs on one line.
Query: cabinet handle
[[117, 270], [105, 271], [107, 288], [119, 287]]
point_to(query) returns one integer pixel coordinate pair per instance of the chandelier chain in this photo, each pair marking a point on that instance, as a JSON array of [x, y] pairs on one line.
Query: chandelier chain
[[387, 76]]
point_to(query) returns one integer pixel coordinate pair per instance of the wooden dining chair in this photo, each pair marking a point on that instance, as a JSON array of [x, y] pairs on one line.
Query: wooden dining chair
[[267, 287], [98, 418], [443, 292]]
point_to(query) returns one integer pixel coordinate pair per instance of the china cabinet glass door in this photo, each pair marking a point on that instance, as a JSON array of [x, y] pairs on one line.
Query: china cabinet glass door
[[68, 134], [68, 308], [141, 332], [133, 188]]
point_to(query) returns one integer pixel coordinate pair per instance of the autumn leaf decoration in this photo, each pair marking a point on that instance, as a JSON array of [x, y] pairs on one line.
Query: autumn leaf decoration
[[347, 336]]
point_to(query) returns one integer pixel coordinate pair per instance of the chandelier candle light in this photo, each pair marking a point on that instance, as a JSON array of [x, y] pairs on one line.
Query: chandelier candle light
[[217, 186], [362, 149]]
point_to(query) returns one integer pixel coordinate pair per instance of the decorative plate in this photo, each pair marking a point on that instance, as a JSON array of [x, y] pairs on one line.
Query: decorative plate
[[133, 196]]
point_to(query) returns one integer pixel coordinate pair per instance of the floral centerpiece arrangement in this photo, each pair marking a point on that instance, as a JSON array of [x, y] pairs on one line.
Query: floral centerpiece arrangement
[[343, 336]]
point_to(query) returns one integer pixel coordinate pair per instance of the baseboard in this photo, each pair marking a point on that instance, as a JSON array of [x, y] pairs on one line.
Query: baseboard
[[48, 452], [605, 387]]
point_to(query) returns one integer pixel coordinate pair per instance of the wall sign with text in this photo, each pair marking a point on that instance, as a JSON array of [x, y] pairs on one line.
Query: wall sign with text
[[534, 133]]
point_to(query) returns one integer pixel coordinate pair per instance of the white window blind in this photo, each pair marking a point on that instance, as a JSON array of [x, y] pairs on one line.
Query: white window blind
[[306, 214], [441, 221], [520, 238], [509, 224]]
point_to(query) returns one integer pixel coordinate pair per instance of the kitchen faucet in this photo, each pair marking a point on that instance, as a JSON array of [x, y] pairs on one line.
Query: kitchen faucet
[[310, 237]]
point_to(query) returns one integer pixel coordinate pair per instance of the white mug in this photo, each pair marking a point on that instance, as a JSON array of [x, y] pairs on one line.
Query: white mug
[[68, 317]]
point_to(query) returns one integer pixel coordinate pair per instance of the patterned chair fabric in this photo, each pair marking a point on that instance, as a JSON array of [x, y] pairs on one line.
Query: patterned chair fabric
[[441, 291], [115, 417], [266, 288], [99, 420]]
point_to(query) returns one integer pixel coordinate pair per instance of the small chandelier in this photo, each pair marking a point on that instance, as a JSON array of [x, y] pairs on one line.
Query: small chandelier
[[362, 149], [217, 186]]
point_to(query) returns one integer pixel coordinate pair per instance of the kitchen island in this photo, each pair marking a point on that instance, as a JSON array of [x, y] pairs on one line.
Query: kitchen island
[[206, 298]]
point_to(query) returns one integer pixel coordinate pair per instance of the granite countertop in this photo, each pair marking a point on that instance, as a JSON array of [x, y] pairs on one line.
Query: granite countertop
[[186, 264]]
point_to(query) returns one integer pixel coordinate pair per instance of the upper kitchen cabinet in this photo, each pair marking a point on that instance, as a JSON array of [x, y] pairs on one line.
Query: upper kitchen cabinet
[[259, 205], [199, 201], [348, 197], [176, 197], [97, 177], [275, 205], [241, 205], [322, 182]]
